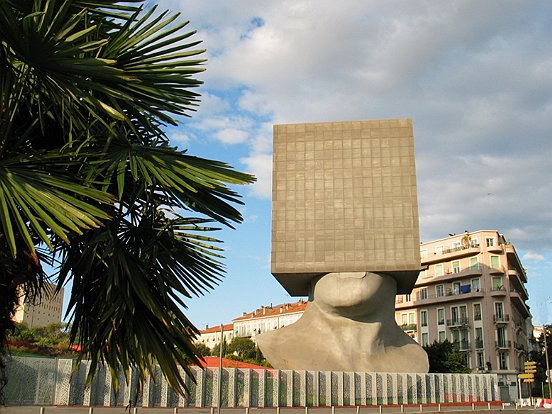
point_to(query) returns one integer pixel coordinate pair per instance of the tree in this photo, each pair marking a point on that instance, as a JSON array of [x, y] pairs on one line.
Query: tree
[[444, 358], [216, 349], [89, 183], [538, 354], [245, 348], [202, 349]]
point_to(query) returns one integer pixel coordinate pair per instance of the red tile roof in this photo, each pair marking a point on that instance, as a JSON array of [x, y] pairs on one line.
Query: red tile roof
[[228, 327], [213, 362], [274, 310]]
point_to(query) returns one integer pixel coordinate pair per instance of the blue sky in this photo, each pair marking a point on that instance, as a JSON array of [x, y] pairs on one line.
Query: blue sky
[[475, 77]]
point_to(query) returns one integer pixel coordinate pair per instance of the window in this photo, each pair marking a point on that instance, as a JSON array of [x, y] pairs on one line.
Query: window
[[495, 262], [497, 283], [456, 266], [423, 293], [476, 285], [411, 318], [456, 246], [501, 337], [454, 314], [463, 313], [439, 250], [423, 318], [499, 310], [440, 316], [407, 297], [423, 253], [404, 318], [480, 359], [423, 274], [456, 336], [503, 360], [439, 269], [477, 311], [489, 241], [474, 263], [479, 338], [456, 288], [425, 339], [442, 336], [440, 290], [474, 242]]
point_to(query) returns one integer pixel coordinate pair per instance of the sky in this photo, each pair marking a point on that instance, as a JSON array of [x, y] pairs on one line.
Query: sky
[[475, 77]]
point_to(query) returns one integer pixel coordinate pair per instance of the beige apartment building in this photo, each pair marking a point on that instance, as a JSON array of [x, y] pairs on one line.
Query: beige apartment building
[[40, 314], [472, 292]]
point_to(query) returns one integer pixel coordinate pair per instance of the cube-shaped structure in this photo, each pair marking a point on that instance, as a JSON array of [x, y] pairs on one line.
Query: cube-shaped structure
[[344, 200]]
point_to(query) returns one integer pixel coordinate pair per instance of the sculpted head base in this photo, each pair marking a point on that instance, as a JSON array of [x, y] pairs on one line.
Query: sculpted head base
[[345, 232], [349, 325]]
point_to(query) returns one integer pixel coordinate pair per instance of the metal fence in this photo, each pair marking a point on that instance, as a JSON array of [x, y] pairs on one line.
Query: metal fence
[[42, 381]]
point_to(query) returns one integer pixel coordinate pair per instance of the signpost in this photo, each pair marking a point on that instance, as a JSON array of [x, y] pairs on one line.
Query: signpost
[[527, 377]]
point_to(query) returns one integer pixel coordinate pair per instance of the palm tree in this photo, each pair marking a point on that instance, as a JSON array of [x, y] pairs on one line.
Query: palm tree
[[90, 185]]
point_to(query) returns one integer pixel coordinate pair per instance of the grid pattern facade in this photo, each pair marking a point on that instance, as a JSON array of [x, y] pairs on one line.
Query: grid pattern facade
[[344, 198]]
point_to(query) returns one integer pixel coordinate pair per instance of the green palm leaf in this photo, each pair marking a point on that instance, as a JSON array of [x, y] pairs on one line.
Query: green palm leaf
[[86, 89]]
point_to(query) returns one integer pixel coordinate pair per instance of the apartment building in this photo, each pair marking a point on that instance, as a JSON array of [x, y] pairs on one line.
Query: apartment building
[[210, 336], [267, 318], [472, 292], [43, 313], [250, 324]]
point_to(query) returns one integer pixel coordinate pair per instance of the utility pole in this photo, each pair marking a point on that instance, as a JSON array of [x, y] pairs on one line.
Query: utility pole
[[220, 368], [547, 364]]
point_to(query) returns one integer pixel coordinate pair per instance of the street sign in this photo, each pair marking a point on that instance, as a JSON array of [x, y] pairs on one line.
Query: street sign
[[526, 376], [530, 367]]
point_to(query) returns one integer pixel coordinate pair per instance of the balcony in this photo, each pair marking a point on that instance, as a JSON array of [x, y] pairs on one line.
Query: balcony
[[495, 249], [461, 346], [450, 254], [496, 270], [457, 323], [517, 282], [520, 304], [498, 291], [520, 348], [478, 344], [428, 298], [503, 344], [512, 255], [501, 319], [409, 327], [475, 270]]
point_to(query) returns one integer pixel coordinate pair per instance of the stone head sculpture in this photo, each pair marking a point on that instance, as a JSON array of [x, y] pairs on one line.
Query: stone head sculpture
[[345, 232]]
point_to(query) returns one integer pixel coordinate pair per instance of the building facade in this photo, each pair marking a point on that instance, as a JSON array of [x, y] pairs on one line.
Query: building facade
[[268, 318], [210, 337], [472, 293], [250, 324], [48, 310]]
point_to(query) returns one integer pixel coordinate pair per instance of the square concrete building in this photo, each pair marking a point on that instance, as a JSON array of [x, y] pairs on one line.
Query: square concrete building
[[344, 200]]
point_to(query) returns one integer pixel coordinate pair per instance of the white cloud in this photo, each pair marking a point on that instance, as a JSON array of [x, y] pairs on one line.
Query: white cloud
[[261, 166], [180, 138], [533, 257], [476, 77], [232, 136]]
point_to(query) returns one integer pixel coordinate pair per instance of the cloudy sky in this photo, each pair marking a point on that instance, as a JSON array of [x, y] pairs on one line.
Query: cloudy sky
[[475, 76]]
